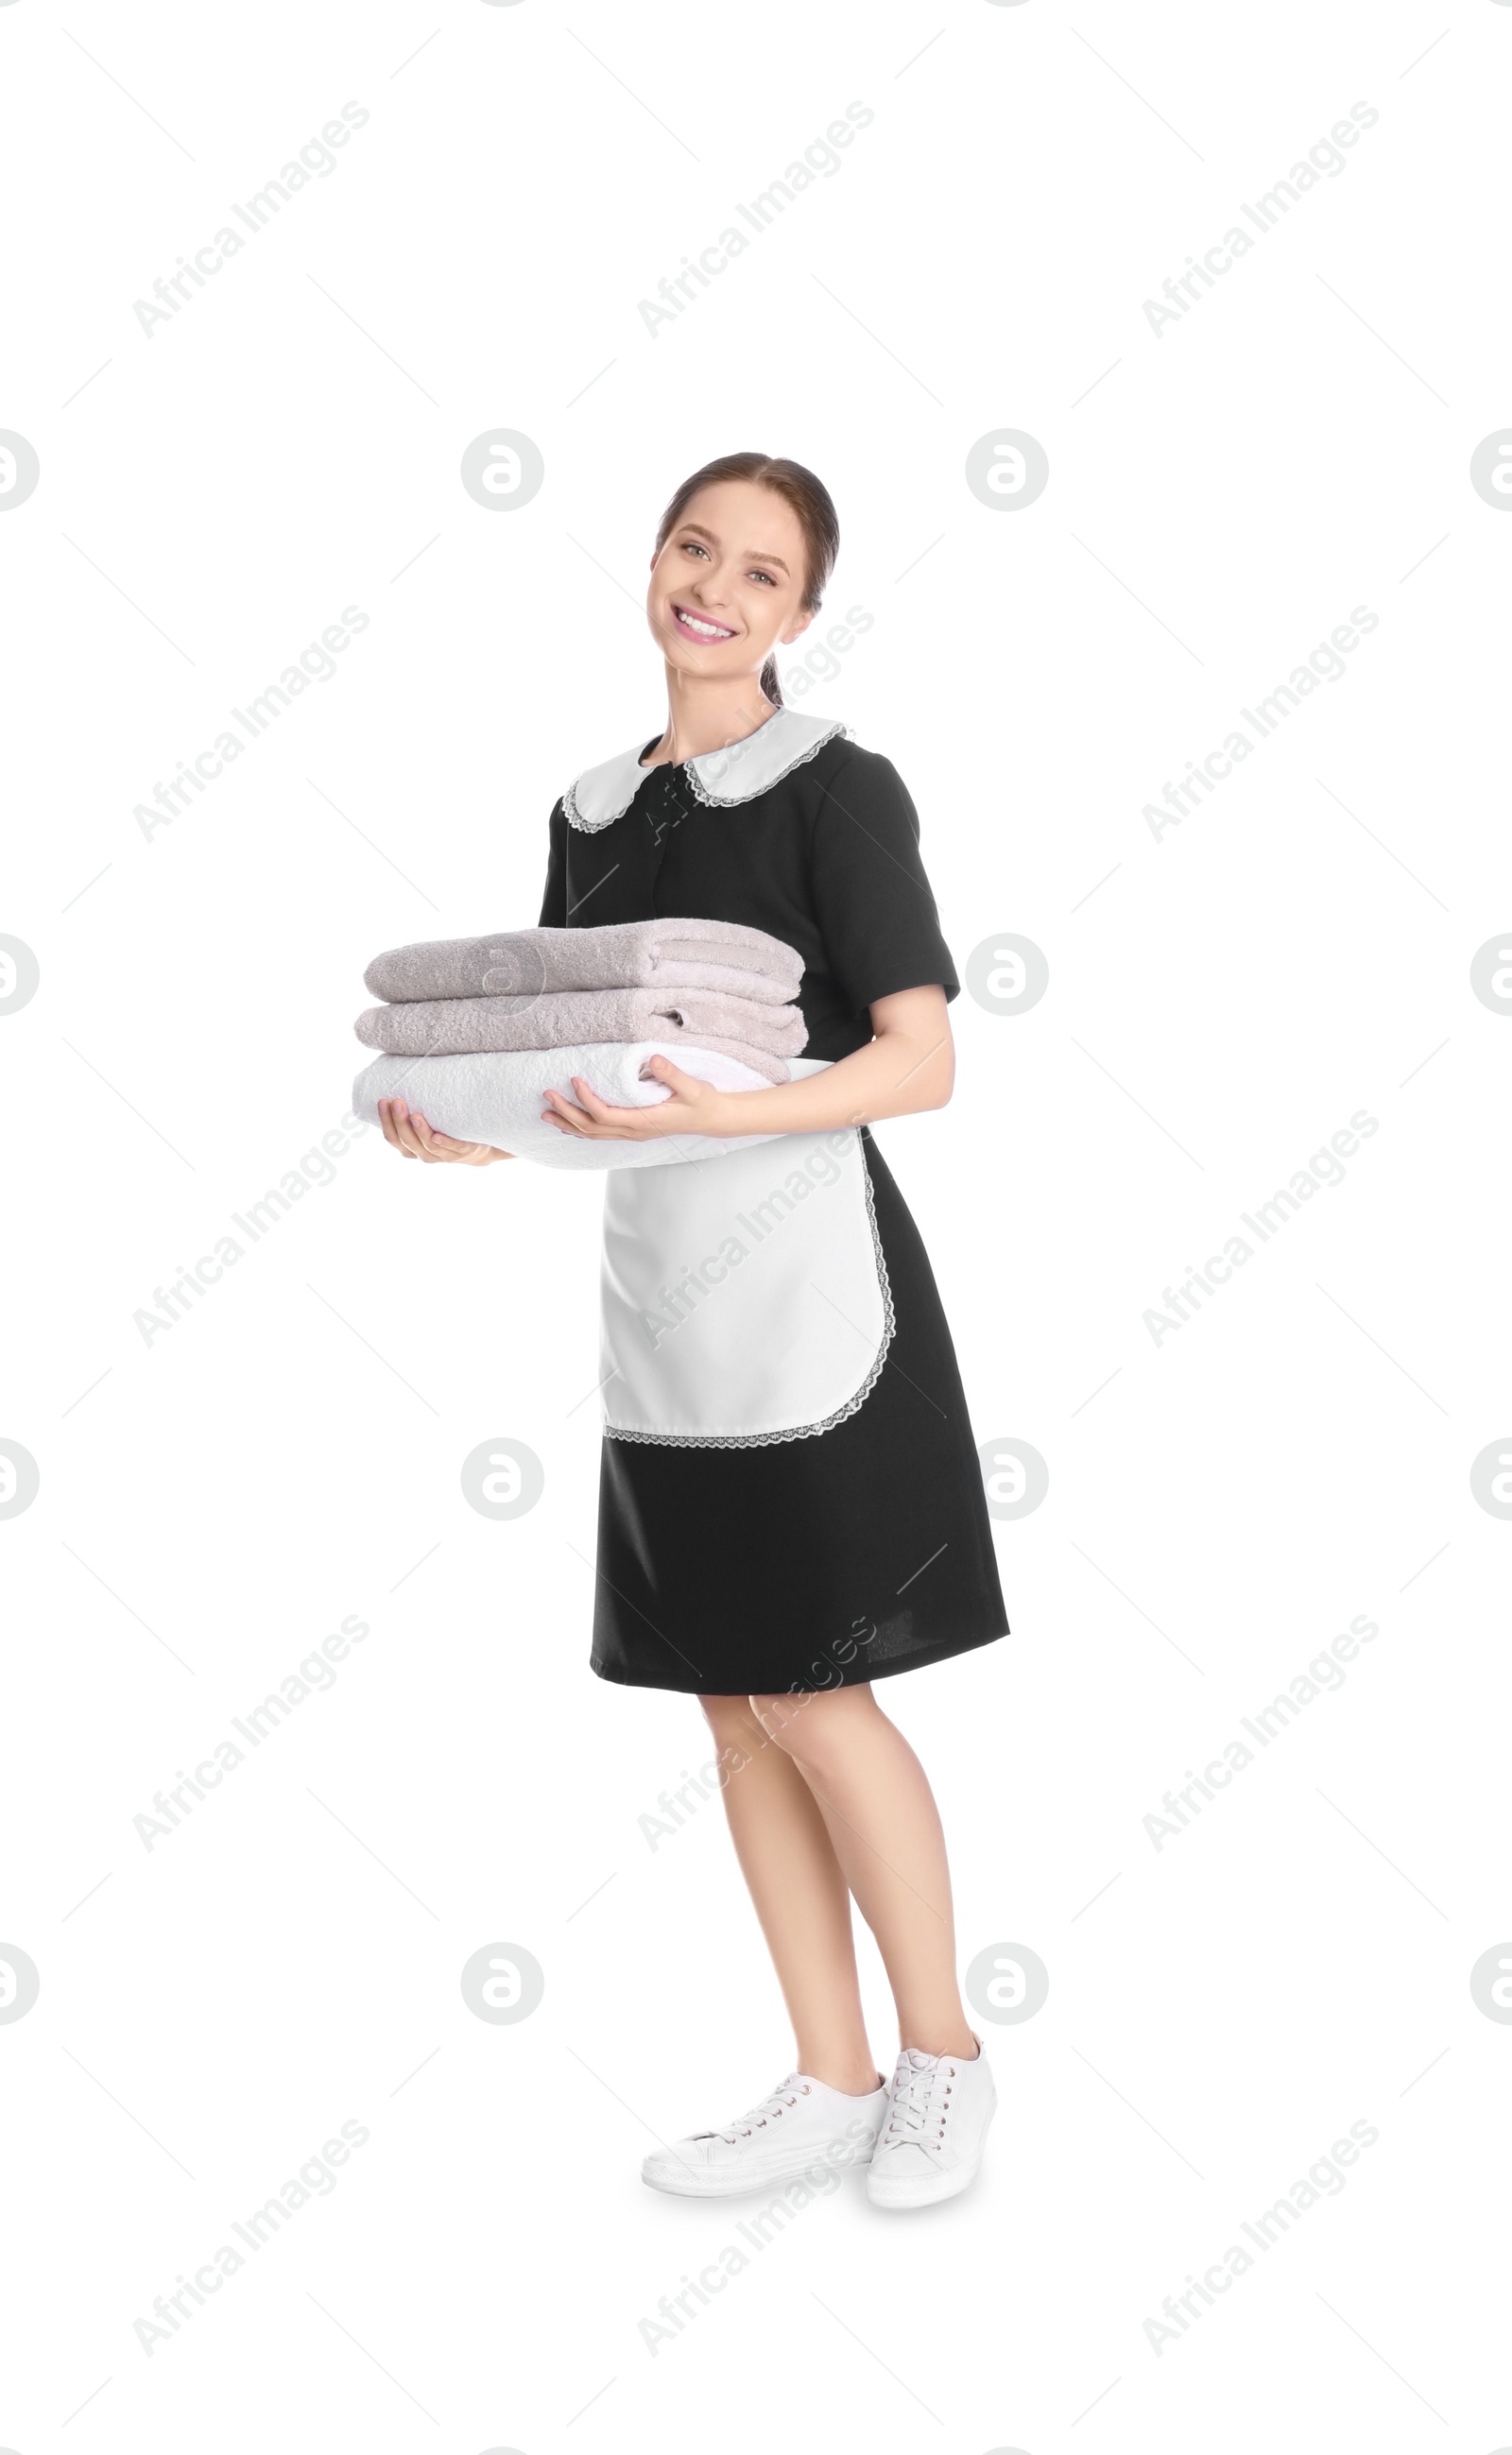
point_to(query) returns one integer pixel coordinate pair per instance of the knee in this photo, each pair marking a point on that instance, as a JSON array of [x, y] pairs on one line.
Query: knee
[[729, 1720], [774, 1714], [808, 1726]]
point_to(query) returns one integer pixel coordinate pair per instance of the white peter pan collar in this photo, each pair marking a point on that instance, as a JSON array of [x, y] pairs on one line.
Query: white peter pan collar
[[720, 777]]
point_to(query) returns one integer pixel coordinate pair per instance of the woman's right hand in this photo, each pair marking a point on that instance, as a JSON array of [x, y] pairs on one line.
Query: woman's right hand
[[408, 1132]]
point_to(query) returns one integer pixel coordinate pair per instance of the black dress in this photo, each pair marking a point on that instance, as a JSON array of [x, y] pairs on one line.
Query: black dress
[[865, 1549]]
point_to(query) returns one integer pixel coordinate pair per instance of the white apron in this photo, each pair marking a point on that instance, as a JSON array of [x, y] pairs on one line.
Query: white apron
[[744, 1296]]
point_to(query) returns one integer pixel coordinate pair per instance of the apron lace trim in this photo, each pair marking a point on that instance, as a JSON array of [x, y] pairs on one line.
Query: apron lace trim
[[799, 1431]]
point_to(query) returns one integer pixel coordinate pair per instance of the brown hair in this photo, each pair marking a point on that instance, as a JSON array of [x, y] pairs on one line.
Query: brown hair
[[803, 492]]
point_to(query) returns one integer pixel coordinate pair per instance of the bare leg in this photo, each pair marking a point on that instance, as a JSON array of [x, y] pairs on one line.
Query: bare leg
[[800, 1895], [885, 1827]]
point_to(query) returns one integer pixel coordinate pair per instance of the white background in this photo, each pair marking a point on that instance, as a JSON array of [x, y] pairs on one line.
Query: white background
[[1221, 999]]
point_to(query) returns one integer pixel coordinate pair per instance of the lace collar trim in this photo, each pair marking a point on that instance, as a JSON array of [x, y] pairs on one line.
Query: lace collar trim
[[720, 777]]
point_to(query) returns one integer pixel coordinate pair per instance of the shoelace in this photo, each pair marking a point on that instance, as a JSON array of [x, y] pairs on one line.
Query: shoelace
[[917, 2110], [768, 2110]]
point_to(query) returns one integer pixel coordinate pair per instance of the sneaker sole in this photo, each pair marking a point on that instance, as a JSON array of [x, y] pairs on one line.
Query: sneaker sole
[[686, 2184], [921, 2195]]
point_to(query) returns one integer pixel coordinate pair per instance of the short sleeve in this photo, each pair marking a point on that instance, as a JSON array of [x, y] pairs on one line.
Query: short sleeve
[[554, 900], [872, 901]]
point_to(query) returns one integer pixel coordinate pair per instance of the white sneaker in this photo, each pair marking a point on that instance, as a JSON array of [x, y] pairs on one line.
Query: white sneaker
[[931, 2142], [801, 2127]]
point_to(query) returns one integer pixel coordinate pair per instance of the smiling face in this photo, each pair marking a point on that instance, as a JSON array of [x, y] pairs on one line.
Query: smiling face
[[727, 586]]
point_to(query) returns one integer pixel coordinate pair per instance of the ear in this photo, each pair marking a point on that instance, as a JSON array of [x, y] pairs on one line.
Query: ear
[[797, 629]]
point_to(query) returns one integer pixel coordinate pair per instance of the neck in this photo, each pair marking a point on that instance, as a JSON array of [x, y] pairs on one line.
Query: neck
[[703, 716]]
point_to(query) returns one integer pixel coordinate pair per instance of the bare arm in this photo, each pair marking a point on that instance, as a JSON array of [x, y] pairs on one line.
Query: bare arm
[[908, 1066]]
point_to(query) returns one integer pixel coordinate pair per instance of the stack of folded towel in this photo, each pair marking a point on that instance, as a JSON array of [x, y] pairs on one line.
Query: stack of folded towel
[[476, 1030]]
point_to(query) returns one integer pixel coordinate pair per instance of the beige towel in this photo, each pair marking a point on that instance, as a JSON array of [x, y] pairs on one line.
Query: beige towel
[[631, 954], [462, 1026]]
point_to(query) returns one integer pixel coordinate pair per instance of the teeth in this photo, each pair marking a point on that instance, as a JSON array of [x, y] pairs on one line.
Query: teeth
[[712, 630]]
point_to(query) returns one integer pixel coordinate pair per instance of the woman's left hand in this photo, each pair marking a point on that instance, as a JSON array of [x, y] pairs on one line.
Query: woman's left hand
[[694, 1107]]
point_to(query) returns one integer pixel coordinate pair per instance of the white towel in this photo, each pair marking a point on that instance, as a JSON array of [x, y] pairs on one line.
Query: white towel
[[498, 1098]]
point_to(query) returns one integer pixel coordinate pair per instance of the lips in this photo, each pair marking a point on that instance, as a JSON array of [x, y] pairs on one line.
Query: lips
[[699, 628]]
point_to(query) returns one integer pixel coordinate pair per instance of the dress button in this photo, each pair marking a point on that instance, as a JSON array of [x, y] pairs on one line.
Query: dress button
[[667, 808]]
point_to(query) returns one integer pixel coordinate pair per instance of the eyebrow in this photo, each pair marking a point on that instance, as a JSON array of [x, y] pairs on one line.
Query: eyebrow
[[691, 528]]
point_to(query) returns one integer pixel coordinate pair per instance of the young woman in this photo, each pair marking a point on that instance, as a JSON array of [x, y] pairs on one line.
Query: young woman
[[791, 1504]]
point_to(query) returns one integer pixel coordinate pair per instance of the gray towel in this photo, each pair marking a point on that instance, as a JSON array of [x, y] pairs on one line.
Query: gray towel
[[629, 954], [464, 1027]]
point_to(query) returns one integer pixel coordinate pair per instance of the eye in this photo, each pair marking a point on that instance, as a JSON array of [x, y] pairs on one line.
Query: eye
[[690, 546], [764, 576]]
